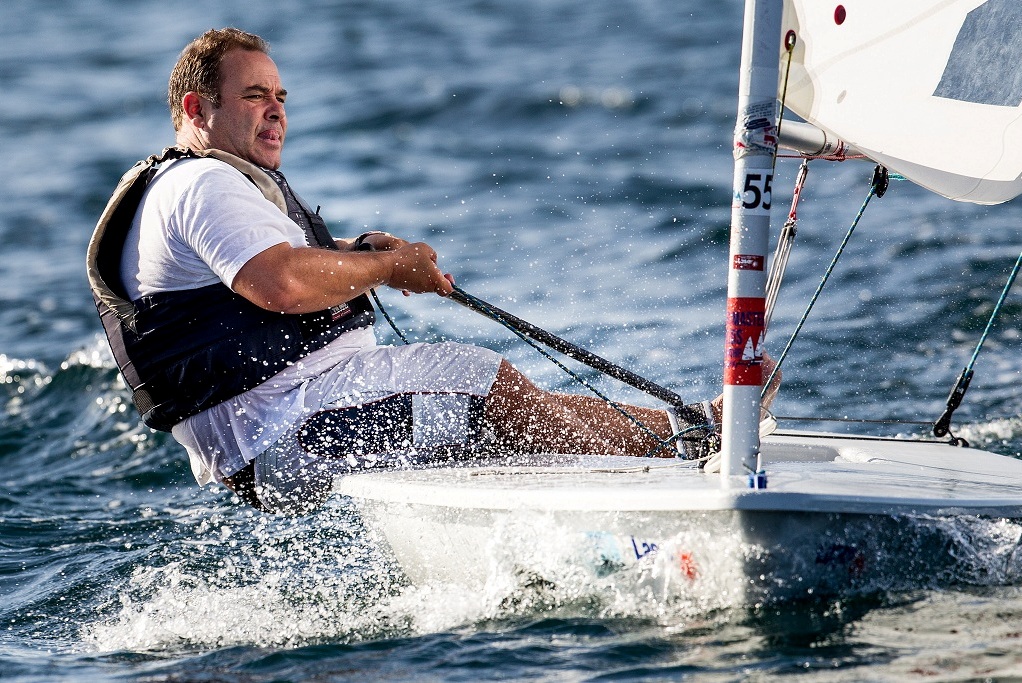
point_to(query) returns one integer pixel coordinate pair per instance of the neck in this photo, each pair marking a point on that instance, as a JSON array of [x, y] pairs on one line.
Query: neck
[[191, 138]]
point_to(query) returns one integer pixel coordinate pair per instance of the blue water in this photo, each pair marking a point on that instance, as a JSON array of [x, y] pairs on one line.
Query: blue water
[[571, 163]]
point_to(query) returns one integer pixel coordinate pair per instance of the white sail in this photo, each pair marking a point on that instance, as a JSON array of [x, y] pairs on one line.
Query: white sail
[[930, 88]]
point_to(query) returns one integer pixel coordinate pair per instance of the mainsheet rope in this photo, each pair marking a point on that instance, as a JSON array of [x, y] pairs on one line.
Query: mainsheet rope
[[495, 314]]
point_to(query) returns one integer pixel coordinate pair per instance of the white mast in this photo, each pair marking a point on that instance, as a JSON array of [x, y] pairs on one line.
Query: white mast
[[755, 146]]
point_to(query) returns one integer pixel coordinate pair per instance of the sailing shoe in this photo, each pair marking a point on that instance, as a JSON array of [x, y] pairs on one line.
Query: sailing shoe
[[696, 423]]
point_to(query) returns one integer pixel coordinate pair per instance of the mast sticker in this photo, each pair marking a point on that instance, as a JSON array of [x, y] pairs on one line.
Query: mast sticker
[[747, 262], [758, 133], [756, 193], [743, 358]]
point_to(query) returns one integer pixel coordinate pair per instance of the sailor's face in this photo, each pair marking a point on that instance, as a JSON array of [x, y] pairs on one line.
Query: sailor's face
[[250, 122]]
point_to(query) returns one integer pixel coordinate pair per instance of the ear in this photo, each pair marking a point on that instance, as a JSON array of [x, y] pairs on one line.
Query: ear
[[193, 106]]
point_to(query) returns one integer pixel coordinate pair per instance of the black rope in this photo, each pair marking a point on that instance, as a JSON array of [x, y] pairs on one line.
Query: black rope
[[525, 329], [532, 334], [528, 332], [362, 245], [390, 321]]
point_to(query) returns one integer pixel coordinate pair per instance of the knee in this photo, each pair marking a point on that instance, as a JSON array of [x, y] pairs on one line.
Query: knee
[[511, 384]]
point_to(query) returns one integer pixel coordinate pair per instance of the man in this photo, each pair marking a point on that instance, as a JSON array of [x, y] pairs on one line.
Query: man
[[243, 328]]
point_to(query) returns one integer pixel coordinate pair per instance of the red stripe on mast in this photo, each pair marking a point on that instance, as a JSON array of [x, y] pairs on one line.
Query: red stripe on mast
[[743, 358]]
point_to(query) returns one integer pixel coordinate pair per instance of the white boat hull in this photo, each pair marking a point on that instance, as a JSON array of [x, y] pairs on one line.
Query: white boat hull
[[838, 514]]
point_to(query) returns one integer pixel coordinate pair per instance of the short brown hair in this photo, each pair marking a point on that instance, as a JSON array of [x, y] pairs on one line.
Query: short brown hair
[[198, 67]]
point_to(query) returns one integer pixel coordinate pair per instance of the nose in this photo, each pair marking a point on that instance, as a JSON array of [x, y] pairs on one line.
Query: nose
[[275, 112]]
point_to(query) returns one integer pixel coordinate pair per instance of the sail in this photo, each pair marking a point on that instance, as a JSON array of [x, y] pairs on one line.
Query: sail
[[929, 88]]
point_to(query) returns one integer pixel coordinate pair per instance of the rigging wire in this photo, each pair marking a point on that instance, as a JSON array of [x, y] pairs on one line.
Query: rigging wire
[[790, 38], [785, 240], [854, 420], [877, 187]]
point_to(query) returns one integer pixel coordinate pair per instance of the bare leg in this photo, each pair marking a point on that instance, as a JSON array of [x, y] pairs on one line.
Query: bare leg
[[528, 419]]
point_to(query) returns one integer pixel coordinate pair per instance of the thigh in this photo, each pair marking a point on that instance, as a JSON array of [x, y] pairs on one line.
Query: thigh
[[377, 372]]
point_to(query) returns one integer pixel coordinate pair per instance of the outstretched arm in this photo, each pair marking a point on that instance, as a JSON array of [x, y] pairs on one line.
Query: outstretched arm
[[290, 279]]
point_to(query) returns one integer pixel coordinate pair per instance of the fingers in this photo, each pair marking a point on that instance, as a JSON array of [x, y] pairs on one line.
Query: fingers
[[717, 406], [415, 271]]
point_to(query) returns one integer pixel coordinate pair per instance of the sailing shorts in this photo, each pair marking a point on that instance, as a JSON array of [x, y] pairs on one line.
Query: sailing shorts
[[387, 406]]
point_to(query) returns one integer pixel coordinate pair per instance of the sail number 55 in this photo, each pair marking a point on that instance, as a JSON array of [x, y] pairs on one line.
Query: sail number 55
[[756, 194]]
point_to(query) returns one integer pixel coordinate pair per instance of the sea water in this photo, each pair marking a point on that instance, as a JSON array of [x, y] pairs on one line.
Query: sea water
[[571, 163]]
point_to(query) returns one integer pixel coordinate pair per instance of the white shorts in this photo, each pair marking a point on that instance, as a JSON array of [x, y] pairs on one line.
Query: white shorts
[[386, 405]]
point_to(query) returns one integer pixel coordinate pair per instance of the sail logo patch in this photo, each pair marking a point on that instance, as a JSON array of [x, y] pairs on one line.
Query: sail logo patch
[[983, 66]]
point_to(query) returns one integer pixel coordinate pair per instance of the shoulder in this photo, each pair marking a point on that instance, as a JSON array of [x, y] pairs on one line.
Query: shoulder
[[196, 182], [204, 170]]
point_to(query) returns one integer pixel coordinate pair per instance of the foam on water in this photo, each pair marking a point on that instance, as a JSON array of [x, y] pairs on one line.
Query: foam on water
[[255, 581], [272, 583], [325, 578]]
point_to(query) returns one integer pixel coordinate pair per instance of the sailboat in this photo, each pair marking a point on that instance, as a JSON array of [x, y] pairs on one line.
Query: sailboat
[[784, 515]]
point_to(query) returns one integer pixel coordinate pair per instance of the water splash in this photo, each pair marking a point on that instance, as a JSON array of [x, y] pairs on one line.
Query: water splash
[[245, 579]]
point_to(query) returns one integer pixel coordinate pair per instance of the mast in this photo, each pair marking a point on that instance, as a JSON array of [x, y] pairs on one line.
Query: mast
[[755, 145]]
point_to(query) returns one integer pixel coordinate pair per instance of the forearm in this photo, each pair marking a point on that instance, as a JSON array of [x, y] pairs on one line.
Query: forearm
[[305, 279], [314, 279]]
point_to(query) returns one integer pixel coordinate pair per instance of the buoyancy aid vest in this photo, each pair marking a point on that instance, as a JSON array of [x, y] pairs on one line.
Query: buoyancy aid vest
[[185, 351]]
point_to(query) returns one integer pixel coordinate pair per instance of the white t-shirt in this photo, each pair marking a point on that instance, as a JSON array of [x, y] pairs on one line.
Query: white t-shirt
[[201, 220]]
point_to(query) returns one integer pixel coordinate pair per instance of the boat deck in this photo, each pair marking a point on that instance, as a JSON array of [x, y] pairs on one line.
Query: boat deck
[[805, 472]]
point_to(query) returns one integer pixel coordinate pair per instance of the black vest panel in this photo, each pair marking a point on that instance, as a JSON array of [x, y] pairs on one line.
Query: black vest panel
[[183, 352]]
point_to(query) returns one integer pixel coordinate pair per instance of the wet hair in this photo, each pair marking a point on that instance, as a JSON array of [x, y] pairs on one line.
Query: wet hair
[[198, 67]]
